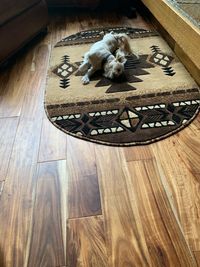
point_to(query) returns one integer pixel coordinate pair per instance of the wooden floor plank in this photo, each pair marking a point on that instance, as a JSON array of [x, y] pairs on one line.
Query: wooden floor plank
[[8, 130], [80, 158], [183, 180], [188, 145], [195, 124], [14, 90], [18, 195], [84, 197], [86, 243], [137, 153], [197, 256], [1, 187], [124, 233], [111, 177], [48, 235], [52, 143], [165, 239]]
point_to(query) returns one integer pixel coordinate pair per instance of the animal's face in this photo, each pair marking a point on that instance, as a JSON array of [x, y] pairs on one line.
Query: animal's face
[[117, 69], [114, 69]]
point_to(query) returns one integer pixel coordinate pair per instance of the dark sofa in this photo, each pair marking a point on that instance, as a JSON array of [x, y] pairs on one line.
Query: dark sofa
[[21, 20]]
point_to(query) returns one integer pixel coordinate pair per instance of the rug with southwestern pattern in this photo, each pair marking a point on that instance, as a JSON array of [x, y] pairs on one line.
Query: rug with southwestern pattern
[[155, 97]]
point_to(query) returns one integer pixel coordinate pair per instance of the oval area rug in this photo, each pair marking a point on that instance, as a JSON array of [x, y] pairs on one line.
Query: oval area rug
[[155, 98]]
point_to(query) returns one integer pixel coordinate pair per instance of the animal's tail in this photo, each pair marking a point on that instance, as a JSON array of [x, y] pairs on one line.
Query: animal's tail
[[124, 43]]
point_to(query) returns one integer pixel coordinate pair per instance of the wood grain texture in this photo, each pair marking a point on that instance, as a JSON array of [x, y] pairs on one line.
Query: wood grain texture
[[187, 62], [1, 187], [183, 181], [48, 235], [84, 197], [163, 233], [80, 159], [111, 177], [53, 142], [13, 89], [125, 237], [19, 189], [188, 143], [86, 243], [137, 153], [8, 130], [197, 256]]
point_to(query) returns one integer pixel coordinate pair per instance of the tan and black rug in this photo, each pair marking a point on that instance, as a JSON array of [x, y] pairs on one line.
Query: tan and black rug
[[155, 98]]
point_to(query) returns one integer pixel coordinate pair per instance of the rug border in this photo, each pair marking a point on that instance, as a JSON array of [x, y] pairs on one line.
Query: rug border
[[148, 142]]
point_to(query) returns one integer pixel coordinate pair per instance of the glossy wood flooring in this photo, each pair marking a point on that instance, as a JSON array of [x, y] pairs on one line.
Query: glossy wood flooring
[[67, 202]]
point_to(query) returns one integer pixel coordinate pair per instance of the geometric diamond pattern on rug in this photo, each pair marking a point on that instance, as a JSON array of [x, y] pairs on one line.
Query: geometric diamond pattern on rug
[[129, 119], [65, 69], [161, 59]]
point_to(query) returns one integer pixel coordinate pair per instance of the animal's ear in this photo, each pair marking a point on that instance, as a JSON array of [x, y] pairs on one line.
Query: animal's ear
[[121, 59], [112, 32]]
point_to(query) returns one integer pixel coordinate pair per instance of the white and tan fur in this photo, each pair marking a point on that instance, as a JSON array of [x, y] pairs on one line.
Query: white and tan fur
[[103, 51]]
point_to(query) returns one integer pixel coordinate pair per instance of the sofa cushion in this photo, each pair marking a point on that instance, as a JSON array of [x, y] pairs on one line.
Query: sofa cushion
[[12, 8]]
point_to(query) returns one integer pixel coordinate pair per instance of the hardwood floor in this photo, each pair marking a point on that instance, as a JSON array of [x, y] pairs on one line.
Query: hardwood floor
[[70, 203]]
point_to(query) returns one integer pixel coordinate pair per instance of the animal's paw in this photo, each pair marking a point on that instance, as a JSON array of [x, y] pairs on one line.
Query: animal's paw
[[85, 79]]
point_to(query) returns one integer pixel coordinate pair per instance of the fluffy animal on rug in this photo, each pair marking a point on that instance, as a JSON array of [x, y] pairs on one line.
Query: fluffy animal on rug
[[101, 57]]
